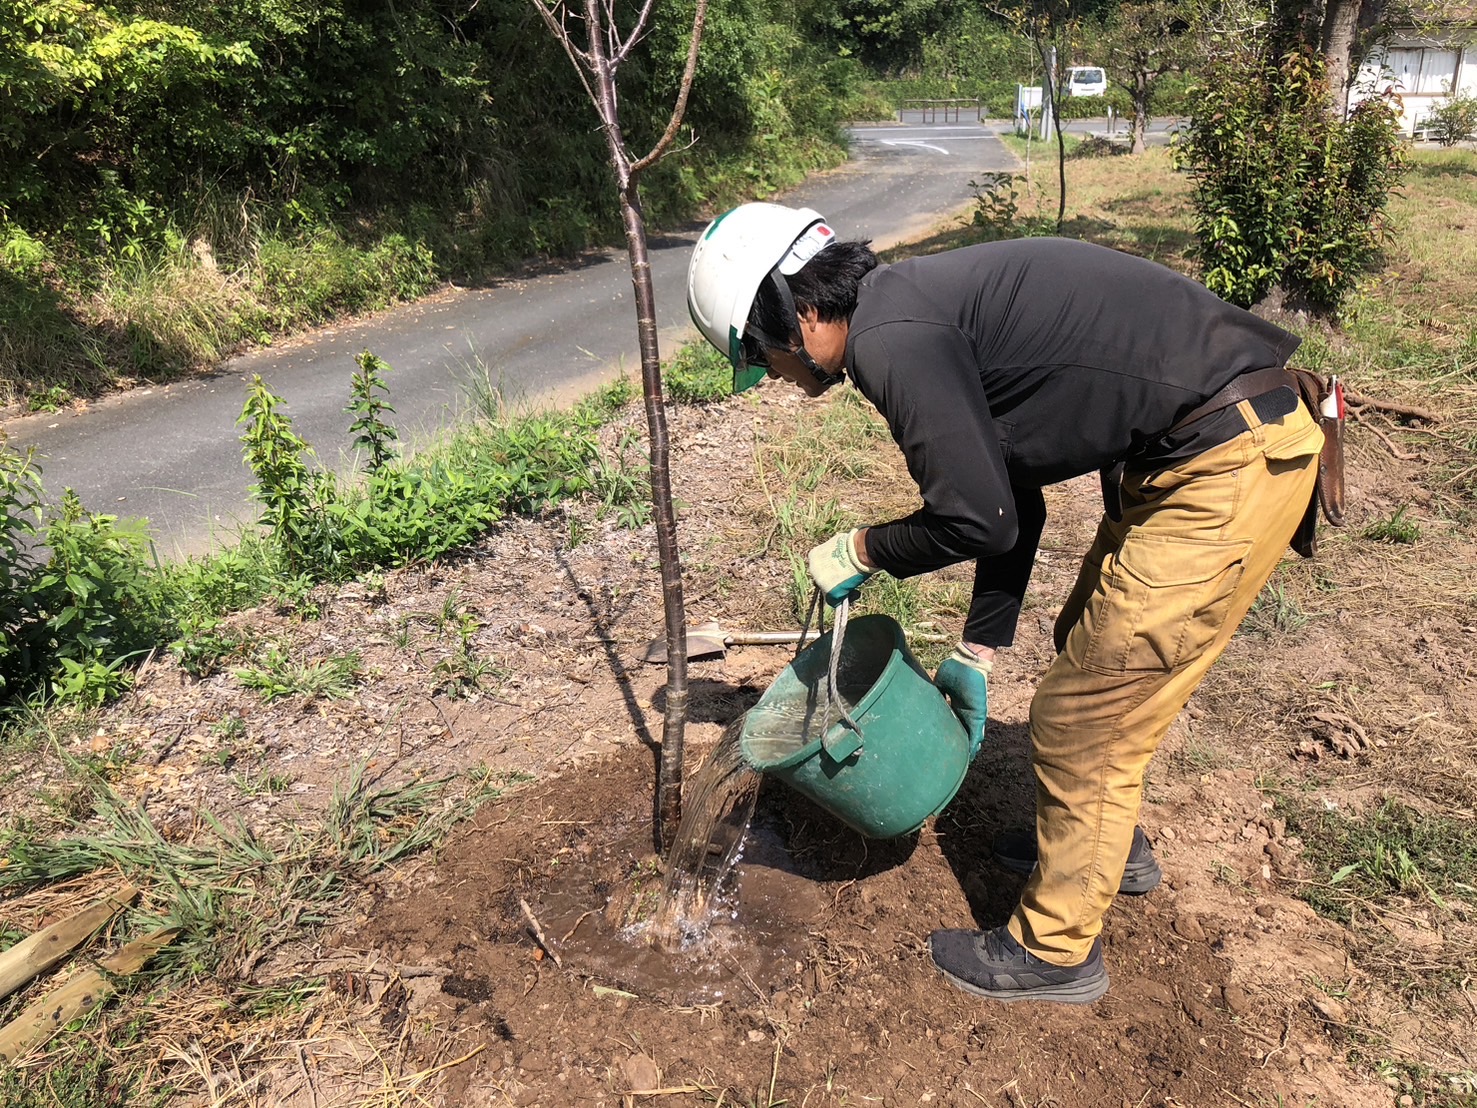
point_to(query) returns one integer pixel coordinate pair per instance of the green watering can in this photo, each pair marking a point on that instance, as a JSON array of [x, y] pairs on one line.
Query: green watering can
[[880, 748]]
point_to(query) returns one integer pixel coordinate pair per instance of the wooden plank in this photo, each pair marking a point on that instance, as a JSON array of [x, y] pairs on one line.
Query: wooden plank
[[37, 953], [79, 996]]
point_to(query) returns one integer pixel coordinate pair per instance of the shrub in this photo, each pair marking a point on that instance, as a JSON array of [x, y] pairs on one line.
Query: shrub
[[996, 204], [1285, 195], [72, 623], [1454, 119], [20, 514], [100, 601]]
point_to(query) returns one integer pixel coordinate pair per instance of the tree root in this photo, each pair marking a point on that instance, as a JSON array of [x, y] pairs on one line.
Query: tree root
[[1358, 401], [1395, 451]]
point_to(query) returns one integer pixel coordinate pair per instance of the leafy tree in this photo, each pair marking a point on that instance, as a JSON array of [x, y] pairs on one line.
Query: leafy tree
[[885, 35], [82, 86], [1141, 44], [1286, 196]]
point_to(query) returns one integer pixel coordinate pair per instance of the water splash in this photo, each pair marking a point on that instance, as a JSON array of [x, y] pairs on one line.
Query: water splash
[[708, 843]]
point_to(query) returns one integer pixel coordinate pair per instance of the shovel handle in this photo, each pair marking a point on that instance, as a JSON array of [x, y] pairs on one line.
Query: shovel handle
[[760, 638]]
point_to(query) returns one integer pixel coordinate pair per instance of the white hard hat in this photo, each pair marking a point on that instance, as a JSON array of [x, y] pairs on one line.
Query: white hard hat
[[736, 253]]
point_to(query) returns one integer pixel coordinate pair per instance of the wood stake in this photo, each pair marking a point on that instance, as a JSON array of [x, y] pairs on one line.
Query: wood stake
[[538, 932], [45, 1017], [37, 953]]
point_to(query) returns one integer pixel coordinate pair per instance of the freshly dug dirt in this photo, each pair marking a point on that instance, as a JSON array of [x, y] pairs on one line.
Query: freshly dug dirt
[[821, 987]]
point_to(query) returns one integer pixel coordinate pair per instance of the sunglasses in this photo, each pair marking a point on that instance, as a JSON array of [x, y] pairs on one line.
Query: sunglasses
[[755, 352]]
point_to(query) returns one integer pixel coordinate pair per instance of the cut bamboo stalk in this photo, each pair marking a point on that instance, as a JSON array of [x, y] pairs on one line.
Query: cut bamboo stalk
[[37, 953], [77, 997]]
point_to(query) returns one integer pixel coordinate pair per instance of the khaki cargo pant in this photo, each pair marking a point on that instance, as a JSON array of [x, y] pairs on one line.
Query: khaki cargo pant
[[1158, 597]]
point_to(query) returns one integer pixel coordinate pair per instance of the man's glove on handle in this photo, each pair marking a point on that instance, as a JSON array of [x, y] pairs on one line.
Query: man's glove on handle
[[962, 678], [834, 568]]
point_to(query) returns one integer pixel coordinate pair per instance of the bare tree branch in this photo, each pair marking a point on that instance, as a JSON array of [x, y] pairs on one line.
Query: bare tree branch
[[578, 58], [698, 19], [638, 32], [612, 37]]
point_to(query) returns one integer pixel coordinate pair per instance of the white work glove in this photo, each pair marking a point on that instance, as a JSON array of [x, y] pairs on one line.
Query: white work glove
[[835, 569]]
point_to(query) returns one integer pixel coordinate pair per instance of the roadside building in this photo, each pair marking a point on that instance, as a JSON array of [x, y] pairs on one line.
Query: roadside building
[[1424, 64]]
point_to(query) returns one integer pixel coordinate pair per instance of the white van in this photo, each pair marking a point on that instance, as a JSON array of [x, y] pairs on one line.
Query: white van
[[1086, 80]]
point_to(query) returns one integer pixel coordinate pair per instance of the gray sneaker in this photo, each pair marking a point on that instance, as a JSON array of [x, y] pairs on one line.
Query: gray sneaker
[[993, 964], [1016, 851]]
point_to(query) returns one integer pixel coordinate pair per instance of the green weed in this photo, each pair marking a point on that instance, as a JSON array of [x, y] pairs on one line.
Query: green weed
[[333, 677], [262, 784], [82, 1080], [461, 674], [287, 490], [229, 728], [1390, 852], [1398, 530], [51, 399], [806, 520], [621, 481], [201, 652], [698, 374], [369, 408], [609, 400]]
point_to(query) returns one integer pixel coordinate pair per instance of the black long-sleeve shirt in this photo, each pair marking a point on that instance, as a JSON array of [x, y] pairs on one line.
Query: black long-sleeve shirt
[[1005, 367]]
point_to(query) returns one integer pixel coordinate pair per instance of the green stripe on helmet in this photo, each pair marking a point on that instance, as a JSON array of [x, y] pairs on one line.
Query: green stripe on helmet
[[714, 225]]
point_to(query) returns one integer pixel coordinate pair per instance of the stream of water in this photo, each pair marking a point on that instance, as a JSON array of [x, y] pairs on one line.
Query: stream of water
[[709, 840]]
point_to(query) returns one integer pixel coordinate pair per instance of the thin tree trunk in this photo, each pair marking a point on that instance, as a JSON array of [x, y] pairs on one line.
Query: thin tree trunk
[[668, 799], [1056, 122], [669, 777], [597, 66]]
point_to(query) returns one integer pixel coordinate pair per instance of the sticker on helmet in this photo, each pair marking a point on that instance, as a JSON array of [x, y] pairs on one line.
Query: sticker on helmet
[[816, 238]]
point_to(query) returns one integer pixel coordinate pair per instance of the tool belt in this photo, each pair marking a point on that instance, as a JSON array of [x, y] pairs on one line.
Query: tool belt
[[1324, 398]]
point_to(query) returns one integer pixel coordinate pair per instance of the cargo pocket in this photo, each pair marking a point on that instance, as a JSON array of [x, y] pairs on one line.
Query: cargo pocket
[[1159, 603], [1286, 452]]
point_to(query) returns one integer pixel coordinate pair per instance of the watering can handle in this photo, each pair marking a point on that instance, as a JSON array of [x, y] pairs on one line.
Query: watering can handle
[[968, 694], [840, 742]]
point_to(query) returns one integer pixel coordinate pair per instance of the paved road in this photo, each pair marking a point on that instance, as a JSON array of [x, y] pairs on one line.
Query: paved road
[[171, 454], [1156, 134]]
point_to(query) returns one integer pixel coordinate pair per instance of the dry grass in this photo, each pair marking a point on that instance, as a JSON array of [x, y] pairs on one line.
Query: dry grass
[[175, 310]]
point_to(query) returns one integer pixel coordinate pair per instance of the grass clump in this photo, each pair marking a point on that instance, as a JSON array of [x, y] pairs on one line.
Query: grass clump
[[1275, 612], [236, 896], [1398, 530], [1390, 852], [698, 374], [332, 678], [82, 1081]]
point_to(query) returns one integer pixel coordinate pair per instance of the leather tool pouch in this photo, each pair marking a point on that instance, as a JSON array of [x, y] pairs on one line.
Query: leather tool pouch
[[1324, 397]]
